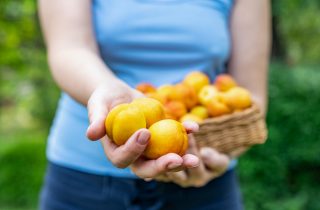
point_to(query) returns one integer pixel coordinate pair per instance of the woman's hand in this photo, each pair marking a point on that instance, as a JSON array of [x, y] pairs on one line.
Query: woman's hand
[[212, 165], [102, 100], [149, 169]]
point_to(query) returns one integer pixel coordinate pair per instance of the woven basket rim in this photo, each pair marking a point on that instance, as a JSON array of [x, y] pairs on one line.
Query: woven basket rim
[[253, 108], [229, 132]]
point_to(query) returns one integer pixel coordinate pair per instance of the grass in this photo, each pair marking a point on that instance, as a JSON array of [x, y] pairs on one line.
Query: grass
[[22, 168]]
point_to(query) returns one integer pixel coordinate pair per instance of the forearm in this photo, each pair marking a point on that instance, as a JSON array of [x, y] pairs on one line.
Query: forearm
[[250, 34], [80, 71], [73, 54]]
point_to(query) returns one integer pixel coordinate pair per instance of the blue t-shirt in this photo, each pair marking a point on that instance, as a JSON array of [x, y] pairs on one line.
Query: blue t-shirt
[[157, 41]]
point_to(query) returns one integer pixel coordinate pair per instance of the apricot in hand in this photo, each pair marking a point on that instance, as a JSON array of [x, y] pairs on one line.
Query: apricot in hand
[[167, 136], [123, 121], [152, 109]]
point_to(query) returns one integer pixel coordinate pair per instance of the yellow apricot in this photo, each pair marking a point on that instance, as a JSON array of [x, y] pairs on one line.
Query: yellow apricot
[[152, 109], [167, 136], [207, 93], [200, 111], [224, 82], [190, 117], [238, 98], [112, 114], [196, 80], [123, 122]]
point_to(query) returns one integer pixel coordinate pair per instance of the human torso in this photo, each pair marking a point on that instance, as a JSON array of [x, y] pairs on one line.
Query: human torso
[[156, 41]]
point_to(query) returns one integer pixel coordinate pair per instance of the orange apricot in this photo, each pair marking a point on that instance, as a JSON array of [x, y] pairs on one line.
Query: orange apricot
[[167, 136]]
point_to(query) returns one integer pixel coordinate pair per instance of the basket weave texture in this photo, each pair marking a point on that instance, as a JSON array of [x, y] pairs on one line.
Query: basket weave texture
[[230, 132]]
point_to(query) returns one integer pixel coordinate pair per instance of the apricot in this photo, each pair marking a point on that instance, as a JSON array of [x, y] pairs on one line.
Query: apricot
[[191, 117], [200, 111], [146, 88], [112, 114], [168, 92], [238, 98], [217, 108], [185, 94], [152, 109], [170, 116], [156, 96], [224, 82], [208, 93], [123, 121], [196, 80], [167, 136], [175, 109]]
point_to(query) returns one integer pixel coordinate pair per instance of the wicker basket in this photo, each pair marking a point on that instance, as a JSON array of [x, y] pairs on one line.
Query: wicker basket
[[231, 132]]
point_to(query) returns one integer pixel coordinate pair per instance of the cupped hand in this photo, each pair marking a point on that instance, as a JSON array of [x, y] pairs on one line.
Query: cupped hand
[[100, 103], [212, 165], [149, 169]]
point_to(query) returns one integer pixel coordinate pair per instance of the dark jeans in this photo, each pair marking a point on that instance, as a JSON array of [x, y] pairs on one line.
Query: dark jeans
[[67, 189]]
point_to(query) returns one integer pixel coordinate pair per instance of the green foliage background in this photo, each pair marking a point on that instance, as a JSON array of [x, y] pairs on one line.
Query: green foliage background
[[296, 23], [282, 174]]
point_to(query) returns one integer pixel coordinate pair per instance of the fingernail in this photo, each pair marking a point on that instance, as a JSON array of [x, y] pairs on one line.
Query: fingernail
[[143, 138], [174, 165]]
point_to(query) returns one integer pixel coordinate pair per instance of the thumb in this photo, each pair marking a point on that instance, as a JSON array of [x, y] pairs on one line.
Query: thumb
[[124, 155], [97, 112], [96, 129]]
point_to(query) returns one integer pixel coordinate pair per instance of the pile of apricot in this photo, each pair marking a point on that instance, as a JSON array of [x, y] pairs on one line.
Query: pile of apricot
[[164, 109], [167, 135], [197, 99]]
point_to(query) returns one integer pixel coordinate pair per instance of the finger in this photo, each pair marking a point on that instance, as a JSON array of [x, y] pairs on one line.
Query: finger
[[190, 126], [198, 170], [190, 161], [213, 160], [151, 168], [124, 155], [96, 130], [180, 178], [192, 145], [161, 178], [180, 168], [97, 111]]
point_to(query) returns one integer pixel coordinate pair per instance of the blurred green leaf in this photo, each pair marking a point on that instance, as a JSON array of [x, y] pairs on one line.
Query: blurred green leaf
[[284, 173]]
